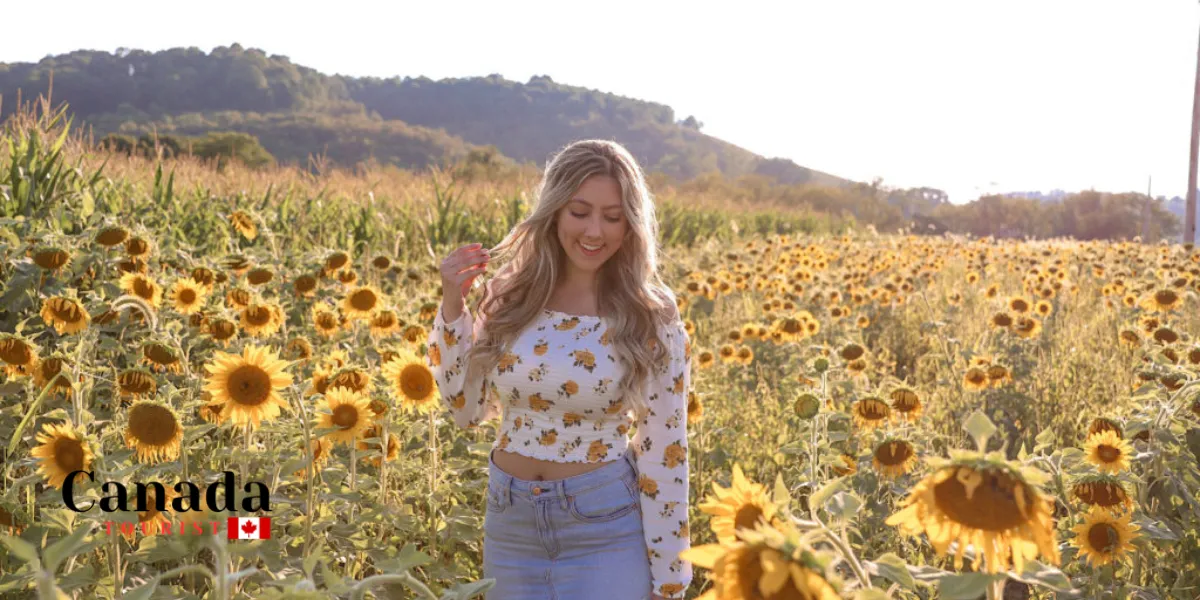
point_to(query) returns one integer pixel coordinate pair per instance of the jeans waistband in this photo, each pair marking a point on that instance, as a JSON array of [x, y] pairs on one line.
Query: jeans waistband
[[510, 486]]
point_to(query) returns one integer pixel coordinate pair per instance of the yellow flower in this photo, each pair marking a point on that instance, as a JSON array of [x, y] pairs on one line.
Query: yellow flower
[[1104, 537], [244, 224], [1108, 452], [976, 379], [894, 458], [187, 296], [153, 432], [62, 450], [411, 380], [143, 287], [767, 563], [738, 506], [67, 315], [871, 413], [348, 415], [906, 403], [248, 384], [361, 301], [987, 505]]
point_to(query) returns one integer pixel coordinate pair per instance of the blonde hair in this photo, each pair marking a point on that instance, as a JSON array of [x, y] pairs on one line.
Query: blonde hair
[[631, 294]]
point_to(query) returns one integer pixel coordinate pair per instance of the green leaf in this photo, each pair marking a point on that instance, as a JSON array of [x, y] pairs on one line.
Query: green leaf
[[821, 496], [21, 549], [981, 428], [894, 569], [871, 594], [65, 547], [141, 592], [781, 496], [1037, 573], [1044, 440], [845, 505], [965, 586]]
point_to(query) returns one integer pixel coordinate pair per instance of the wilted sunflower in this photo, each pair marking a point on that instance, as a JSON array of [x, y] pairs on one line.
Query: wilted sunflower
[[807, 406], [66, 315], [153, 431], [1105, 537], [221, 330], [411, 381], [319, 453], [1001, 320], [261, 319], [238, 297], [136, 383], [244, 224], [161, 357], [49, 370], [62, 450], [894, 458], [739, 506], [360, 302], [1165, 335], [975, 379], [336, 261], [347, 277], [348, 415], [305, 286], [51, 258], [137, 247], [186, 296], [1108, 452], [19, 354], [259, 276], [983, 502], [112, 235], [766, 562], [365, 445], [326, 321], [299, 348], [695, 409], [1101, 424], [906, 403], [248, 384], [847, 464], [1102, 491], [1163, 300], [871, 413], [352, 378], [851, 352], [143, 287]]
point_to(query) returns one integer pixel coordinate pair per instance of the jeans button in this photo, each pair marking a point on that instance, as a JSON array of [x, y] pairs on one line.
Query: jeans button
[[537, 491]]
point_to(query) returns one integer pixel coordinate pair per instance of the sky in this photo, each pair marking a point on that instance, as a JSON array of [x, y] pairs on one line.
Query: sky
[[971, 97]]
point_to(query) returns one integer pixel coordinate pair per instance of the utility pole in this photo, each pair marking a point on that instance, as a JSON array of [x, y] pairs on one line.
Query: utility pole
[[1189, 220]]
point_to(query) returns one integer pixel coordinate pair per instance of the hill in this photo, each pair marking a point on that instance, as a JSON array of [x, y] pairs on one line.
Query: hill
[[297, 111]]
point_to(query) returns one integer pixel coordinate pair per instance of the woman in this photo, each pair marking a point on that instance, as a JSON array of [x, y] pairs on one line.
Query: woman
[[575, 342]]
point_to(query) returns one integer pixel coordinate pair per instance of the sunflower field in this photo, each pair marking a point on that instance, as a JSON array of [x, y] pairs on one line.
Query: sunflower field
[[872, 416]]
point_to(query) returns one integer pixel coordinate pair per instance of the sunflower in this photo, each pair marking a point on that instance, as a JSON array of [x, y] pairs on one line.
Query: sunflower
[[51, 258], [137, 247], [807, 406], [894, 458], [727, 353], [1108, 452], [19, 354], [161, 357], [906, 403], [375, 432], [1130, 338], [49, 370], [352, 378], [1019, 305], [248, 384], [998, 375], [706, 359], [767, 562], [187, 296], [411, 380], [1043, 308], [851, 352], [112, 235], [871, 412], [1027, 327], [66, 315], [299, 348], [1001, 320], [1103, 491], [790, 329], [347, 277], [1165, 335], [153, 431], [384, 323], [261, 320], [151, 521], [695, 409], [1163, 300], [1101, 424], [259, 276], [976, 379], [221, 330], [62, 450], [983, 502], [348, 415], [738, 506], [305, 286], [745, 355], [136, 383], [244, 224], [1104, 538], [143, 287], [326, 321], [318, 451], [336, 261], [361, 301]]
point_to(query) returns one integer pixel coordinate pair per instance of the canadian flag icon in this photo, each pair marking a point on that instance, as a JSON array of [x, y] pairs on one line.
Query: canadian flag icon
[[249, 528]]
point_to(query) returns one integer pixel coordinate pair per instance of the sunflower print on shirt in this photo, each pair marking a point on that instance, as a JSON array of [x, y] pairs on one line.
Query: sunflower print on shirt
[[555, 396]]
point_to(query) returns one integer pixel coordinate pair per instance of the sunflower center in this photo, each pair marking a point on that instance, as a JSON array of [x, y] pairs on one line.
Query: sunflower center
[[792, 326], [223, 330], [152, 424], [906, 401], [249, 385], [385, 319], [992, 506], [1165, 297], [160, 354], [363, 300], [1102, 494], [345, 416], [1103, 537], [893, 453], [872, 410], [68, 454], [187, 296], [142, 288], [135, 382], [65, 310], [852, 352], [416, 381], [258, 315], [1108, 454], [747, 516], [15, 352]]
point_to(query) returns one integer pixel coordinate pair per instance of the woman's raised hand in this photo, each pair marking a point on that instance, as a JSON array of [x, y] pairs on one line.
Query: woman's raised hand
[[459, 270]]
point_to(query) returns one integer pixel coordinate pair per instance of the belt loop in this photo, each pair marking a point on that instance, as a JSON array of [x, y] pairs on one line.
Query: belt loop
[[507, 490], [560, 490]]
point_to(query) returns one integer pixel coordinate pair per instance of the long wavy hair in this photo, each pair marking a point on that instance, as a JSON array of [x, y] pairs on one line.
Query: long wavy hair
[[632, 296]]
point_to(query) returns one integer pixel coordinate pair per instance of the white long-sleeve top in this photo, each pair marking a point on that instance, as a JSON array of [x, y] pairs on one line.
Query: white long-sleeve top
[[556, 392]]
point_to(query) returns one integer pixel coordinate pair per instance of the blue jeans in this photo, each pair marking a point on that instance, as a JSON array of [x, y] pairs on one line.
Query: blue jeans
[[578, 538]]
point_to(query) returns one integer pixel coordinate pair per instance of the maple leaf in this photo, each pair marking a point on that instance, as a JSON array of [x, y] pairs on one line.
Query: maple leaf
[[249, 527]]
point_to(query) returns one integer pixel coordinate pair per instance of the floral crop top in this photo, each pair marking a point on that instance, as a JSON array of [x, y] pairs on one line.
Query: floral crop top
[[556, 392]]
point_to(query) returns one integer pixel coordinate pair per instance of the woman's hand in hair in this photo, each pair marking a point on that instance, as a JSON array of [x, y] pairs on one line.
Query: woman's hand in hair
[[459, 270]]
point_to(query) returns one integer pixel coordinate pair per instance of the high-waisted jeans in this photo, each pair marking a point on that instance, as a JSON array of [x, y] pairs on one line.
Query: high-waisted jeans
[[578, 538]]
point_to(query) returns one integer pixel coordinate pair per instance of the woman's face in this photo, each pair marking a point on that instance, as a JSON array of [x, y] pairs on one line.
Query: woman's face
[[592, 224]]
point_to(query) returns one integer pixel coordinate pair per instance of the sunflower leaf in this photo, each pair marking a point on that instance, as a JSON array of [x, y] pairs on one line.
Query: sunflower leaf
[[65, 547], [781, 495], [981, 428], [894, 569], [821, 496], [965, 586], [21, 549]]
